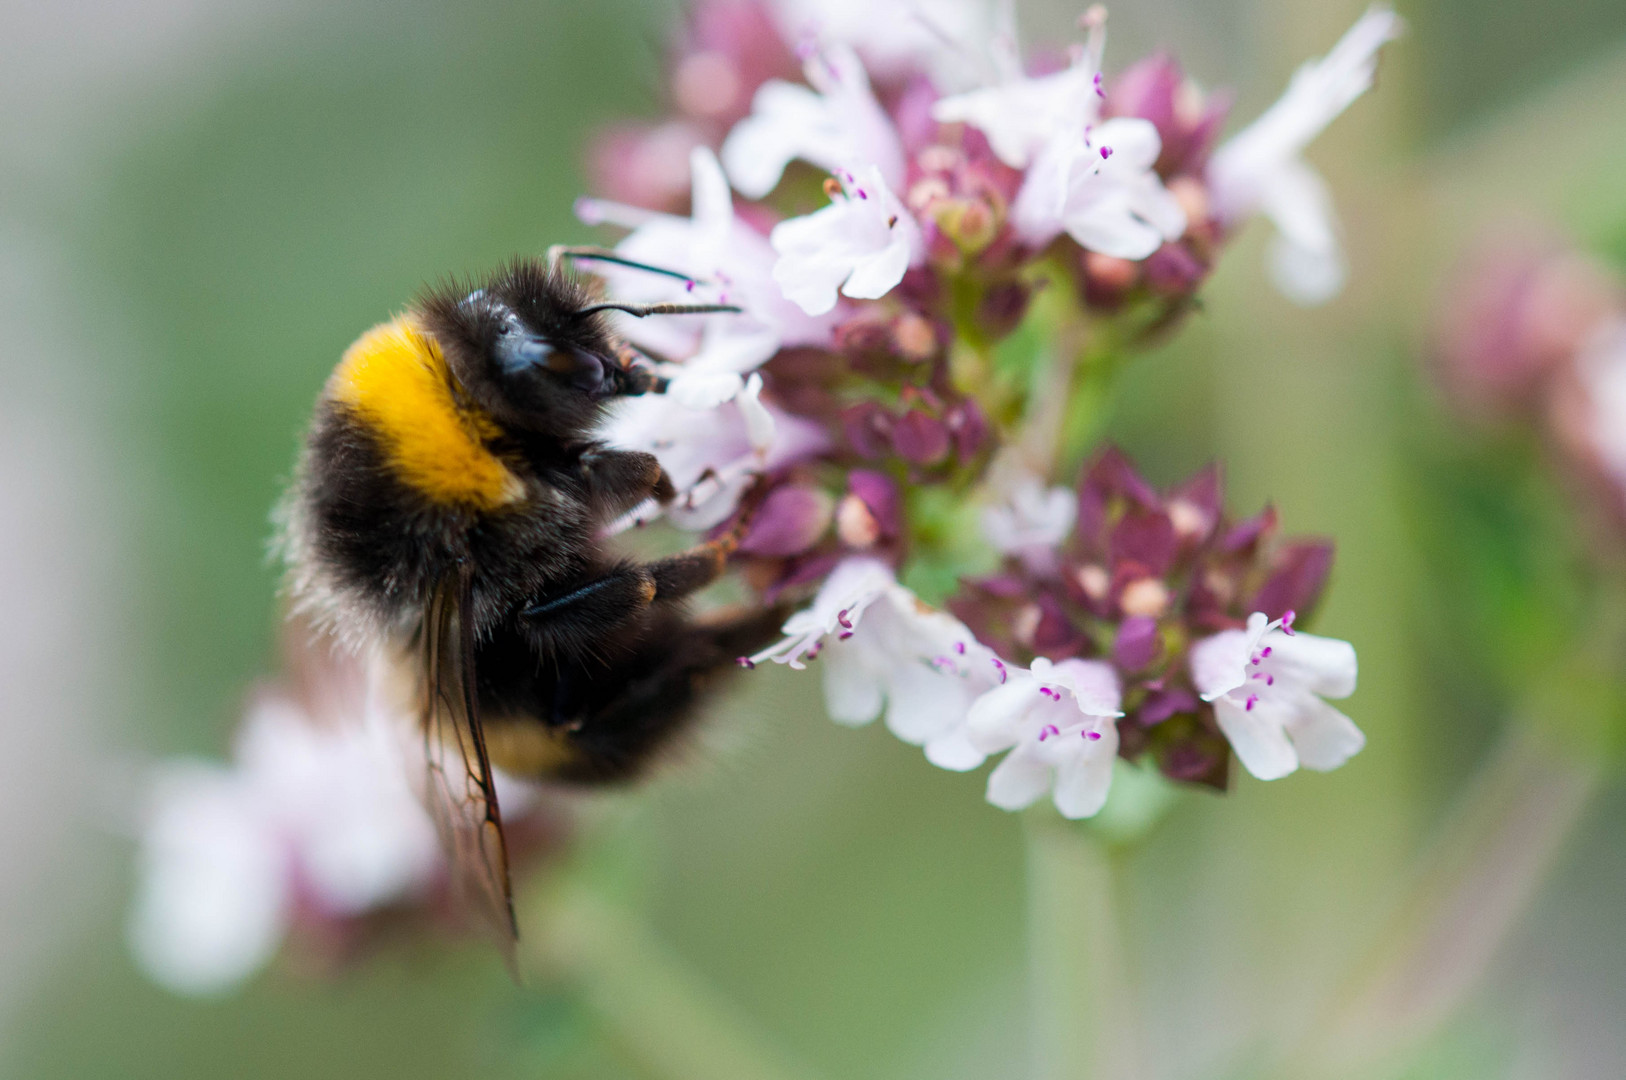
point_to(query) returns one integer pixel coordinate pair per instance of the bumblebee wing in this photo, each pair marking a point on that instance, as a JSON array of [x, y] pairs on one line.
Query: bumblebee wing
[[460, 793]]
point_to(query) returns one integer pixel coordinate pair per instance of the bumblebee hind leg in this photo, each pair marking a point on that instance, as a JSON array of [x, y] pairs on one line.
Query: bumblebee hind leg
[[646, 705]]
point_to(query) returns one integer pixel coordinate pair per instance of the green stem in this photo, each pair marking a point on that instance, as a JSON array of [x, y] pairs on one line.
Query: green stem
[[1083, 1006], [661, 1013], [1484, 869]]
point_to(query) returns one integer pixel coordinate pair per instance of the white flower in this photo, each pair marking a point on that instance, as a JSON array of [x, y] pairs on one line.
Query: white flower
[[213, 900], [861, 244], [896, 37], [837, 123], [1098, 186], [1260, 169], [710, 448], [1031, 521], [729, 262], [1021, 116], [1060, 722], [1267, 683], [312, 814], [885, 651], [1601, 366]]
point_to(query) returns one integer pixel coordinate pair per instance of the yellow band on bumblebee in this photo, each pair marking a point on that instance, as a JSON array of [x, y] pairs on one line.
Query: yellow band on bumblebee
[[394, 379]]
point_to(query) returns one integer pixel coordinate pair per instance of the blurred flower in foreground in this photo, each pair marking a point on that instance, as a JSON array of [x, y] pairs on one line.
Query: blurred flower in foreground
[[1532, 336], [313, 831]]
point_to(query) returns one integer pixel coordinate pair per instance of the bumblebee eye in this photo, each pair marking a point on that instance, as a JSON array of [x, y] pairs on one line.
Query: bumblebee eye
[[518, 352], [582, 370]]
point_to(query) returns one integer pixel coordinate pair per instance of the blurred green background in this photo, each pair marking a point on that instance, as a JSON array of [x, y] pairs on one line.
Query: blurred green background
[[202, 203]]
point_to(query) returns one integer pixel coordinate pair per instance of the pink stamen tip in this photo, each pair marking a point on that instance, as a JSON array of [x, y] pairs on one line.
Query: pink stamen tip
[[747, 663], [1047, 731], [845, 634], [841, 617], [1266, 652], [862, 194], [1254, 659], [1092, 735], [1287, 623], [1106, 152], [1253, 699], [688, 286], [1270, 680], [959, 647]]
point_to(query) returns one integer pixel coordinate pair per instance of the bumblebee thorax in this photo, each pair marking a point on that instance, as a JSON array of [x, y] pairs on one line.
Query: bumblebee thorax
[[394, 381]]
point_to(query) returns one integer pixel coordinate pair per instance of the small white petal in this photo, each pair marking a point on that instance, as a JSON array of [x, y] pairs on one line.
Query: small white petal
[[994, 720], [704, 389], [1021, 116], [1094, 684], [878, 275], [853, 691], [1020, 779], [1323, 737], [954, 751], [760, 427], [1083, 782], [1323, 665], [1307, 276], [1258, 737], [1219, 663]]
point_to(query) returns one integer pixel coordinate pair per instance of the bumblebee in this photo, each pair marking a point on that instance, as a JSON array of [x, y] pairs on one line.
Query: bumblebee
[[447, 513]]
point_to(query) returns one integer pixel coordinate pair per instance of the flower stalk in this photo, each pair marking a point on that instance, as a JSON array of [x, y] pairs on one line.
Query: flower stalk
[[662, 1014], [1083, 999]]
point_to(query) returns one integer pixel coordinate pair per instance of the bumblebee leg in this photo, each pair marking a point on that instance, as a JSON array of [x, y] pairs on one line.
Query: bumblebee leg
[[676, 576], [618, 480], [635, 717], [575, 622]]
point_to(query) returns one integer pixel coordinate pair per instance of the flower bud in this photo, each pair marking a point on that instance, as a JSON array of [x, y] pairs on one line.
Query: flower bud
[[1145, 597], [1298, 573], [871, 504], [920, 438], [1173, 271], [914, 337], [1156, 89], [868, 429], [1137, 643], [1521, 308], [971, 224], [1107, 278], [791, 520]]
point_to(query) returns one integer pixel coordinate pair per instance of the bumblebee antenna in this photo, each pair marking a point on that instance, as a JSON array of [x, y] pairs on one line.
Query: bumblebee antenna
[[639, 311], [559, 252]]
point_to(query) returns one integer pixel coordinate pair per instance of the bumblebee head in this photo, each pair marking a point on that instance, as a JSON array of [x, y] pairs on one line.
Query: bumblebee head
[[525, 348]]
